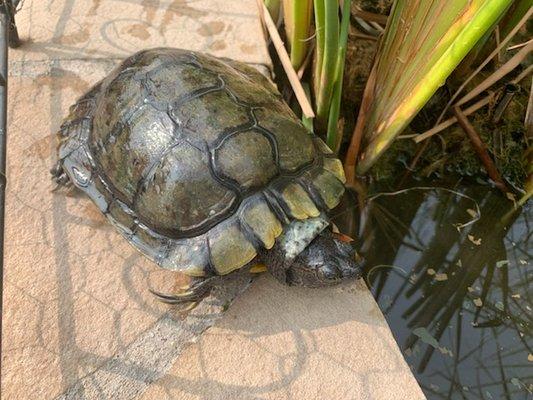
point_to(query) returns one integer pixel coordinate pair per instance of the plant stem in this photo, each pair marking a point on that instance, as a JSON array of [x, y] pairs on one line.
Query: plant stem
[[297, 16], [334, 138], [498, 74], [480, 149], [273, 7], [329, 62], [307, 121], [319, 48], [307, 110]]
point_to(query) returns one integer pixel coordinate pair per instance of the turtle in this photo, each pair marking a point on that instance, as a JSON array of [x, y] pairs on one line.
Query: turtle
[[200, 165]]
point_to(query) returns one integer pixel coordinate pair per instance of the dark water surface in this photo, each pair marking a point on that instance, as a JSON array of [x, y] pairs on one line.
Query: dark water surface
[[453, 276]]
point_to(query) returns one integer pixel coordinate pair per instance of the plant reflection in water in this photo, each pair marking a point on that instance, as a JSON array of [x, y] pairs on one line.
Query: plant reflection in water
[[451, 271]]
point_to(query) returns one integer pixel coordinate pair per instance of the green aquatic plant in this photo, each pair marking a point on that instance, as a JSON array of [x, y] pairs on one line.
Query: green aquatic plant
[[334, 137], [273, 7], [297, 16], [424, 42]]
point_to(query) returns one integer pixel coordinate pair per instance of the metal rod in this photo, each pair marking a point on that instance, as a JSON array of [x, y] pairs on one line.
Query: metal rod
[[5, 22]]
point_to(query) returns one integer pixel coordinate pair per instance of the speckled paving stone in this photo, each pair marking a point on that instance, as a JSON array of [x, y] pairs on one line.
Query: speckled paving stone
[[282, 343], [92, 29], [75, 294]]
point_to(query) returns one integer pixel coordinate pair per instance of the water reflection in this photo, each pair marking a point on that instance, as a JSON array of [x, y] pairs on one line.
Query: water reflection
[[457, 298]]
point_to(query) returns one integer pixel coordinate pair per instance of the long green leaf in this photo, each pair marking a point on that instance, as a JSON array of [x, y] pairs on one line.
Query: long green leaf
[[273, 7], [320, 18], [334, 138], [297, 17], [424, 42], [329, 61]]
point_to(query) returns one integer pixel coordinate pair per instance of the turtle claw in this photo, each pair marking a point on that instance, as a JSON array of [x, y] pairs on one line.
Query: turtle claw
[[178, 298], [60, 177], [193, 294]]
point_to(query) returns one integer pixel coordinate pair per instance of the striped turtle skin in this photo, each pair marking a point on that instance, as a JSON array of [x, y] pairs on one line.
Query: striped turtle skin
[[196, 160]]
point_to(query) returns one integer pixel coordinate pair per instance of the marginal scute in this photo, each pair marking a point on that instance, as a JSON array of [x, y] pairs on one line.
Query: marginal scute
[[334, 165], [295, 145], [298, 202], [262, 221], [327, 185], [182, 195], [253, 171], [148, 242], [229, 247], [121, 216], [298, 235], [187, 255], [98, 192], [321, 146]]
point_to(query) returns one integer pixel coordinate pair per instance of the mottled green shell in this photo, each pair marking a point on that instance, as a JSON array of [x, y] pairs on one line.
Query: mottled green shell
[[196, 160]]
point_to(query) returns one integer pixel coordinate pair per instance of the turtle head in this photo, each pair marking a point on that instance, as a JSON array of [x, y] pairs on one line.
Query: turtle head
[[327, 260]]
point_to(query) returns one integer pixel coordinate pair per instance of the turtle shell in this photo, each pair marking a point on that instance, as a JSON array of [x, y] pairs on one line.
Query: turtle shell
[[196, 160]]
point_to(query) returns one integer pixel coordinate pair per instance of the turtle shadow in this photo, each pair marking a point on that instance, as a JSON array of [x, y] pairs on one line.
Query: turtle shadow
[[269, 307], [273, 337]]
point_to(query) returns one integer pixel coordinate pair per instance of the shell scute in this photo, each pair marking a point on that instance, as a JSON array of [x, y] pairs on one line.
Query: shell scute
[[257, 215], [205, 118], [295, 145], [334, 165], [181, 194], [229, 248], [328, 187], [253, 171], [297, 202], [136, 147], [187, 255], [188, 81]]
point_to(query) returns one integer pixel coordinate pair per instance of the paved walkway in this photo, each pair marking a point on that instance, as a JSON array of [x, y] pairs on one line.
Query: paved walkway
[[79, 322]]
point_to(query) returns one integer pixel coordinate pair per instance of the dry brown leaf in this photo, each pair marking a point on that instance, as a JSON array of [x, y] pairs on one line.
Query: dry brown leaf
[[477, 242], [441, 277], [471, 212]]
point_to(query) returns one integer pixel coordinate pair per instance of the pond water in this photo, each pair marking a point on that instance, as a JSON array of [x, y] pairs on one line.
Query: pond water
[[451, 269]]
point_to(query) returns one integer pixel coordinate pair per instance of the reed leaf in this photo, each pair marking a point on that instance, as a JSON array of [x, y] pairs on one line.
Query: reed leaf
[[334, 137], [297, 18], [424, 42], [307, 121], [327, 30], [273, 7]]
